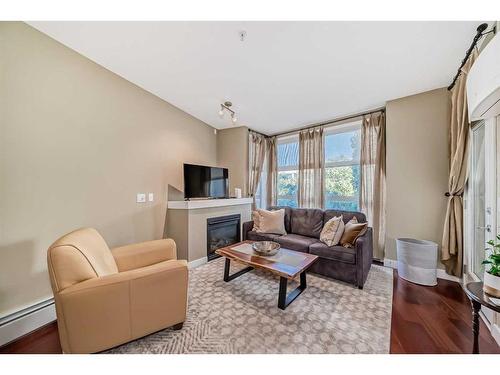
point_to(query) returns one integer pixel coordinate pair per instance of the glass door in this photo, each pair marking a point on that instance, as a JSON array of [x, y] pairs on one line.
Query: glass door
[[478, 197], [482, 199]]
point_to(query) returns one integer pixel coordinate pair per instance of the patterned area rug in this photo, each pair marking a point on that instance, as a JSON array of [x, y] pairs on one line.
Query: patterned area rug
[[242, 316]]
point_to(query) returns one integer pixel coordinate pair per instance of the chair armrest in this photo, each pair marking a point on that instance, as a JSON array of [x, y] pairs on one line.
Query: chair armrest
[[247, 227], [364, 255], [144, 254], [125, 306]]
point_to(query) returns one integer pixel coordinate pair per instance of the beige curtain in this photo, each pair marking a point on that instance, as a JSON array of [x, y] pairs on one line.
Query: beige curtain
[[272, 172], [372, 186], [311, 168], [452, 243], [256, 155]]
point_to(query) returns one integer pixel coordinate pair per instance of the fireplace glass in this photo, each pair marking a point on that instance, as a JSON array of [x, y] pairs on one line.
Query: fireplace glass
[[222, 231]]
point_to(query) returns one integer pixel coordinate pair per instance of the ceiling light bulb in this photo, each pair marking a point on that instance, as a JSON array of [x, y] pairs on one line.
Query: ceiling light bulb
[[221, 113], [234, 119]]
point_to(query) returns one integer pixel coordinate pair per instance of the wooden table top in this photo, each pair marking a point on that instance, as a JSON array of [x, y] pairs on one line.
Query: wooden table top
[[293, 263], [475, 292]]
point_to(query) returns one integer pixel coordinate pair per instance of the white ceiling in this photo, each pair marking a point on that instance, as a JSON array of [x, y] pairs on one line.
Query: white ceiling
[[284, 75]]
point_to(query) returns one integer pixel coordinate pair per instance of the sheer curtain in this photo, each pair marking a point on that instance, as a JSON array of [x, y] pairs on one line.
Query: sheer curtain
[[256, 154], [272, 171], [372, 197], [453, 235], [311, 168]]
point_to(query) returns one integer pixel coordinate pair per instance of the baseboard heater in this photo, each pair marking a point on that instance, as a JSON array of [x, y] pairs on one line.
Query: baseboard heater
[[26, 320]]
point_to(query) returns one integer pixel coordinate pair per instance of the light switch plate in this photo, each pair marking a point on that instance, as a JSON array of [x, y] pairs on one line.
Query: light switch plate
[[151, 197], [141, 197]]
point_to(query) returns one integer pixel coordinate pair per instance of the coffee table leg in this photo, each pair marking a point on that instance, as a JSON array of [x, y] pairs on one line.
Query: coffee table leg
[[283, 299], [475, 326], [227, 266]]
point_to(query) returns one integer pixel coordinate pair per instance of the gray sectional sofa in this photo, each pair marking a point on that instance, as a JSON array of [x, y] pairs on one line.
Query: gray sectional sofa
[[303, 227]]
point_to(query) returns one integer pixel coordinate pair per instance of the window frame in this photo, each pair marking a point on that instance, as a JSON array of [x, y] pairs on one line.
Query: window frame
[[339, 129]]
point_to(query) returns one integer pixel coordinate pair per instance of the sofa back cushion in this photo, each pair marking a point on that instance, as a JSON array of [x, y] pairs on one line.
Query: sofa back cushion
[[288, 211], [346, 215], [306, 221]]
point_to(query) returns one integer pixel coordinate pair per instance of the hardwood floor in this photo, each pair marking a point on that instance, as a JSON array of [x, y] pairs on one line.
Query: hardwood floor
[[424, 320], [44, 340], [434, 320]]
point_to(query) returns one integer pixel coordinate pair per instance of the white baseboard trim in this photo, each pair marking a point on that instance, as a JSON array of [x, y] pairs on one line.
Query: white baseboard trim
[[441, 274], [391, 263], [495, 332], [197, 262], [26, 320]]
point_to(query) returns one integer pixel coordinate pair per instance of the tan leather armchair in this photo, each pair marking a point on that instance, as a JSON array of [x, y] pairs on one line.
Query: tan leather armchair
[[105, 297]]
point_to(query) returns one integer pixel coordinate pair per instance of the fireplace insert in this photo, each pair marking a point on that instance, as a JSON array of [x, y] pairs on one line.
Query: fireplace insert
[[222, 231]]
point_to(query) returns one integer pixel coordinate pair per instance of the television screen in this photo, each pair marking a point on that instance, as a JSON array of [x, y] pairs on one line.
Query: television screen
[[205, 182]]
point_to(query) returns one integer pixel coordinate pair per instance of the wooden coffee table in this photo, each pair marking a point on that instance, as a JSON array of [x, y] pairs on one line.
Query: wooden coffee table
[[287, 264]]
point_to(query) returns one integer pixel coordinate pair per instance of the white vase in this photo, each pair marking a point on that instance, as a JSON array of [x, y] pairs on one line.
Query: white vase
[[491, 284], [237, 192]]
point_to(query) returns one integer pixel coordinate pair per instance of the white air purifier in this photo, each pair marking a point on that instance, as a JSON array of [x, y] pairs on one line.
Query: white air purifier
[[417, 261]]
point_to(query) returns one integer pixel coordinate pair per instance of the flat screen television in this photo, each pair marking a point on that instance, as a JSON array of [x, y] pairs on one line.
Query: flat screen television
[[205, 182]]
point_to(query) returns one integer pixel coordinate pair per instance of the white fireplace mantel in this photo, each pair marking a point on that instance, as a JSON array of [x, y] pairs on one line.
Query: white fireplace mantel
[[207, 203]]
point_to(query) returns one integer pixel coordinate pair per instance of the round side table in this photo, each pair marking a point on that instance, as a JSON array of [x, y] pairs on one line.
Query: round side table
[[478, 298]]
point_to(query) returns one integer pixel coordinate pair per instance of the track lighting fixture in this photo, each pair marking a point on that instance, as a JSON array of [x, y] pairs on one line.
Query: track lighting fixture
[[227, 107]]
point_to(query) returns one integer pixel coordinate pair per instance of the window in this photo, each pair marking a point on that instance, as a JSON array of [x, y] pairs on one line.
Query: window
[[342, 171], [288, 168]]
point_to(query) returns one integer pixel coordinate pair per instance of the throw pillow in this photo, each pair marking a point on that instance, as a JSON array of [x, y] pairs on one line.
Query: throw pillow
[[256, 220], [269, 221], [352, 231], [332, 231]]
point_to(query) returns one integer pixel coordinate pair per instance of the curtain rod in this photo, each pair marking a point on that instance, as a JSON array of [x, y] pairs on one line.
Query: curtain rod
[[255, 131], [381, 109], [479, 35]]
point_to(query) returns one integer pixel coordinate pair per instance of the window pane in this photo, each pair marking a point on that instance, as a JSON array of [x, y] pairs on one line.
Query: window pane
[[258, 196], [288, 155], [288, 161], [287, 188], [342, 146], [342, 188]]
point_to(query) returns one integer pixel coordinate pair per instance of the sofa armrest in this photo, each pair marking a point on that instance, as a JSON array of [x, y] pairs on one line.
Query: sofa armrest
[[247, 227], [125, 306], [144, 254], [364, 256]]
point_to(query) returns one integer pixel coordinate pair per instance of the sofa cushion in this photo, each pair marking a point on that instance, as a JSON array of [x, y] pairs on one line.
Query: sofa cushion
[[306, 222], [336, 253], [288, 212], [346, 215], [296, 242], [254, 236]]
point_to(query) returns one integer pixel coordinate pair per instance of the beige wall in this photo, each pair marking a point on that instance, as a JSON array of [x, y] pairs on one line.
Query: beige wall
[[417, 167], [77, 143], [232, 153]]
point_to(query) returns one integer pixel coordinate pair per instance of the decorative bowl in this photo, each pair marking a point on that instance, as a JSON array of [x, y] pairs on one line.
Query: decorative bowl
[[266, 248]]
